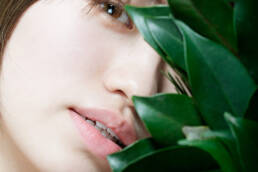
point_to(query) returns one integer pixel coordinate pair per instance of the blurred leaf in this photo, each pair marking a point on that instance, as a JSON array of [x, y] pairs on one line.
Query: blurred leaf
[[218, 80], [164, 115], [168, 37], [120, 160], [246, 23], [217, 150], [245, 133], [212, 19], [252, 111], [179, 158]]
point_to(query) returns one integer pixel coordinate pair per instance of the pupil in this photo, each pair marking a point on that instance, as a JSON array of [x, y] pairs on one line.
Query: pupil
[[111, 9]]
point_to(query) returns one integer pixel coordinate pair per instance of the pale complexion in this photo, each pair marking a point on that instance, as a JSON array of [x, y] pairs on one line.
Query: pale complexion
[[60, 56]]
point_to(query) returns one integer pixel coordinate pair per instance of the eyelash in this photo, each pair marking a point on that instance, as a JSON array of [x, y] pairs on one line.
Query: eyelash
[[109, 7]]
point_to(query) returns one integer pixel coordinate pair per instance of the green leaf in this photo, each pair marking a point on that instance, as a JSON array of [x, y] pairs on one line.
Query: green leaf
[[223, 138], [152, 11], [218, 80], [212, 19], [164, 115], [252, 111], [216, 150], [228, 1], [227, 139], [246, 23], [245, 133], [179, 158], [120, 160], [166, 34], [138, 15]]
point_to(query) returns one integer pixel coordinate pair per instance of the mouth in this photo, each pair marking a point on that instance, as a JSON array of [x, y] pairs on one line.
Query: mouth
[[104, 132]]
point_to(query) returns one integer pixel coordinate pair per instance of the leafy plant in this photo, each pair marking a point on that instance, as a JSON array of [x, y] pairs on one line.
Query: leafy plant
[[213, 126]]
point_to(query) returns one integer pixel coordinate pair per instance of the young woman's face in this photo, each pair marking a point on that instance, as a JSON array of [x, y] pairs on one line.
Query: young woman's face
[[60, 59]]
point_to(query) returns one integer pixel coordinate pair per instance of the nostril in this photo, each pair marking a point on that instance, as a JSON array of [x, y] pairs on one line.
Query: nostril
[[120, 92]]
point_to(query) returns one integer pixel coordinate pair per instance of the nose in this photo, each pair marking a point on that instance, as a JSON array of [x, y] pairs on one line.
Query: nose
[[134, 71]]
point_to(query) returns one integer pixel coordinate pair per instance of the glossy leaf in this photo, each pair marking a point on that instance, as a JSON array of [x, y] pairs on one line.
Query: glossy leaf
[[138, 15], [179, 158], [166, 34], [245, 133], [212, 140], [218, 80], [212, 19], [120, 160], [216, 150], [227, 139], [246, 23], [164, 115]]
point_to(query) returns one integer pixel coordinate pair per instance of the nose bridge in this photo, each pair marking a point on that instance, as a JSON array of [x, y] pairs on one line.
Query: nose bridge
[[134, 71]]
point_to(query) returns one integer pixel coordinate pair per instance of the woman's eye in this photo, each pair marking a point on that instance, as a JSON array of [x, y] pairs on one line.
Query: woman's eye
[[116, 11]]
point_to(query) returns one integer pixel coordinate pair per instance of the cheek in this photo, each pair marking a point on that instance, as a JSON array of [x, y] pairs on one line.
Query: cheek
[[57, 50], [58, 42], [45, 69], [55, 59]]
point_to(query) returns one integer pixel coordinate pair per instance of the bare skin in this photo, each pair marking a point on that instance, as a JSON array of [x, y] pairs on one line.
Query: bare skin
[[59, 56]]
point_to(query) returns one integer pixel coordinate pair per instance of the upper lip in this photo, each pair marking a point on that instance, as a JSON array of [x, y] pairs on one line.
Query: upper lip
[[111, 119]]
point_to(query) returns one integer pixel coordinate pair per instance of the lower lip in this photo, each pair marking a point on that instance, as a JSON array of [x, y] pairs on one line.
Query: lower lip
[[92, 138]]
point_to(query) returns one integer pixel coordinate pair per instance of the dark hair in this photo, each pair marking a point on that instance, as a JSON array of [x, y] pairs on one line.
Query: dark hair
[[10, 12]]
